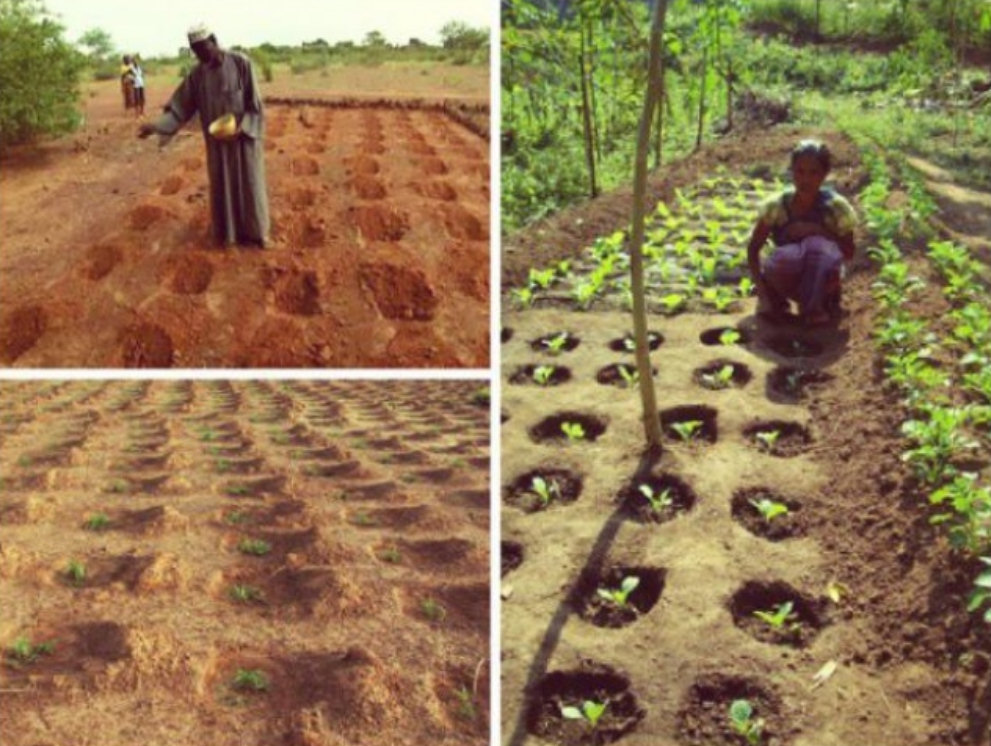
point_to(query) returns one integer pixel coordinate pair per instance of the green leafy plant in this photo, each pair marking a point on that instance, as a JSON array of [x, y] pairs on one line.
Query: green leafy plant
[[619, 596], [542, 374], [75, 572], [729, 337], [658, 500], [629, 374], [768, 438], [391, 555], [97, 522], [237, 489], [981, 594], [257, 547], [23, 651], [223, 465], [555, 345], [362, 518], [782, 615], [769, 509], [590, 712], [672, 303], [743, 722], [573, 430], [466, 703], [250, 680], [687, 429], [237, 516], [544, 490], [720, 379], [245, 593], [432, 610]]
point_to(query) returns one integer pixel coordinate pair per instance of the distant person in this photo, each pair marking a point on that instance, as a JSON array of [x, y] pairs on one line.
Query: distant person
[[127, 83], [812, 228], [138, 77], [224, 83]]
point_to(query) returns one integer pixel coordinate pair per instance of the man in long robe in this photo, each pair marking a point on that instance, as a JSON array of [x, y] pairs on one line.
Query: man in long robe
[[224, 83]]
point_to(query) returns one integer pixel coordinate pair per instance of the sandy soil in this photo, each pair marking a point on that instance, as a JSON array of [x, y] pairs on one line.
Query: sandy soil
[[367, 615], [911, 665], [380, 255]]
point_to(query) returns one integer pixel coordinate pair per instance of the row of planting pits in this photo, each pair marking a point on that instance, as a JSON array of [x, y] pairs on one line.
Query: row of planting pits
[[591, 701]]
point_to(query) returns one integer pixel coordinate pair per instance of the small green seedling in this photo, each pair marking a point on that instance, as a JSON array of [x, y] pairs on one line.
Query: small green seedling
[[591, 712], [555, 345], [741, 718], [432, 610], [729, 337], [223, 465], [686, 430], [769, 509], [658, 500], [237, 489], [672, 303], [630, 375], [117, 486], [362, 519], [981, 593], [573, 430], [783, 614], [720, 379], [466, 703], [768, 438], [544, 490], [22, 650], [619, 596], [245, 593], [75, 571], [629, 344], [237, 516], [542, 374], [97, 522], [257, 547], [391, 555], [250, 680]]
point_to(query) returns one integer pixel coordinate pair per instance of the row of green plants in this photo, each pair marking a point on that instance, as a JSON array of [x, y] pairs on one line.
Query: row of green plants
[[938, 369]]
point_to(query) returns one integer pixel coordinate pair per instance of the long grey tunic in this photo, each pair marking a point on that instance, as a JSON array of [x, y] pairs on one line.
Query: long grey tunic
[[238, 202]]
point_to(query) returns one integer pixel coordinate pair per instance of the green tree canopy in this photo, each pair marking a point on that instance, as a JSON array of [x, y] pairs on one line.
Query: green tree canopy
[[97, 43], [39, 74], [459, 35]]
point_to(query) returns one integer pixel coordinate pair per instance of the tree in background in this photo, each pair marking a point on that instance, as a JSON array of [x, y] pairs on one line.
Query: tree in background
[[98, 44], [459, 35], [39, 74]]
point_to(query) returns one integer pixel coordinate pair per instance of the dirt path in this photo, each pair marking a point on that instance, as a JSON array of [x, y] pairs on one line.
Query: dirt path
[[380, 255], [365, 608], [910, 664]]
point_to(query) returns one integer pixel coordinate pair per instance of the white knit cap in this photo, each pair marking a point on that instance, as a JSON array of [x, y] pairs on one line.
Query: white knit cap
[[198, 33]]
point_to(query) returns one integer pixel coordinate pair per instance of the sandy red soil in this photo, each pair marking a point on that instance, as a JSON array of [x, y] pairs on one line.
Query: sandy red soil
[[368, 614], [380, 253]]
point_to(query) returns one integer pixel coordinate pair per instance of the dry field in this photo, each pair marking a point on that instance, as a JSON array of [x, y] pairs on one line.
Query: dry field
[[244, 563]]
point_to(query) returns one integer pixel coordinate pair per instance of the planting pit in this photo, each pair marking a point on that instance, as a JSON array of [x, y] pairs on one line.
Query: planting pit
[[591, 682], [792, 439], [627, 343], [638, 508], [711, 337], [709, 377], [707, 431], [549, 428], [20, 332], [784, 526], [612, 375], [525, 375], [511, 556], [802, 624], [793, 347], [505, 334], [520, 492], [703, 719], [602, 612]]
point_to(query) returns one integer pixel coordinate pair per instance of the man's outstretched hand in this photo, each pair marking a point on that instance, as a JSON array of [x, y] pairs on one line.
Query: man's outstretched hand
[[146, 129]]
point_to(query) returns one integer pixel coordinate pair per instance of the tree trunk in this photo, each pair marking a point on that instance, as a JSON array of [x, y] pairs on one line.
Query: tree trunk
[[587, 121], [705, 74], [651, 420]]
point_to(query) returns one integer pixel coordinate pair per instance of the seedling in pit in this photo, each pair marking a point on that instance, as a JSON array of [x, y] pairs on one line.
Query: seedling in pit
[[686, 430], [555, 345], [432, 610], [544, 490], [769, 509], [250, 680], [23, 651], [672, 303], [257, 547], [782, 615], [768, 438], [720, 379], [743, 722], [466, 703], [619, 596], [573, 430], [391, 555], [591, 712], [542, 374], [75, 571], [729, 337], [630, 376], [97, 522], [245, 593], [658, 500]]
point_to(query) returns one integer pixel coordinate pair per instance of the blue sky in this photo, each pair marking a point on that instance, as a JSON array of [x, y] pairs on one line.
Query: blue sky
[[154, 28]]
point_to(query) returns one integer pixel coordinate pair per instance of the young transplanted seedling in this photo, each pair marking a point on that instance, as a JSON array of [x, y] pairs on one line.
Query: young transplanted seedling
[[658, 500], [257, 547], [719, 379], [729, 337], [573, 430], [768, 438], [542, 374], [629, 375], [783, 614], [97, 522], [245, 593], [432, 610], [769, 509], [686, 430], [556, 344], [544, 490], [76, 572], [591, 712], [743, 722], [250, 680], [22, 650], [619, 596]]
